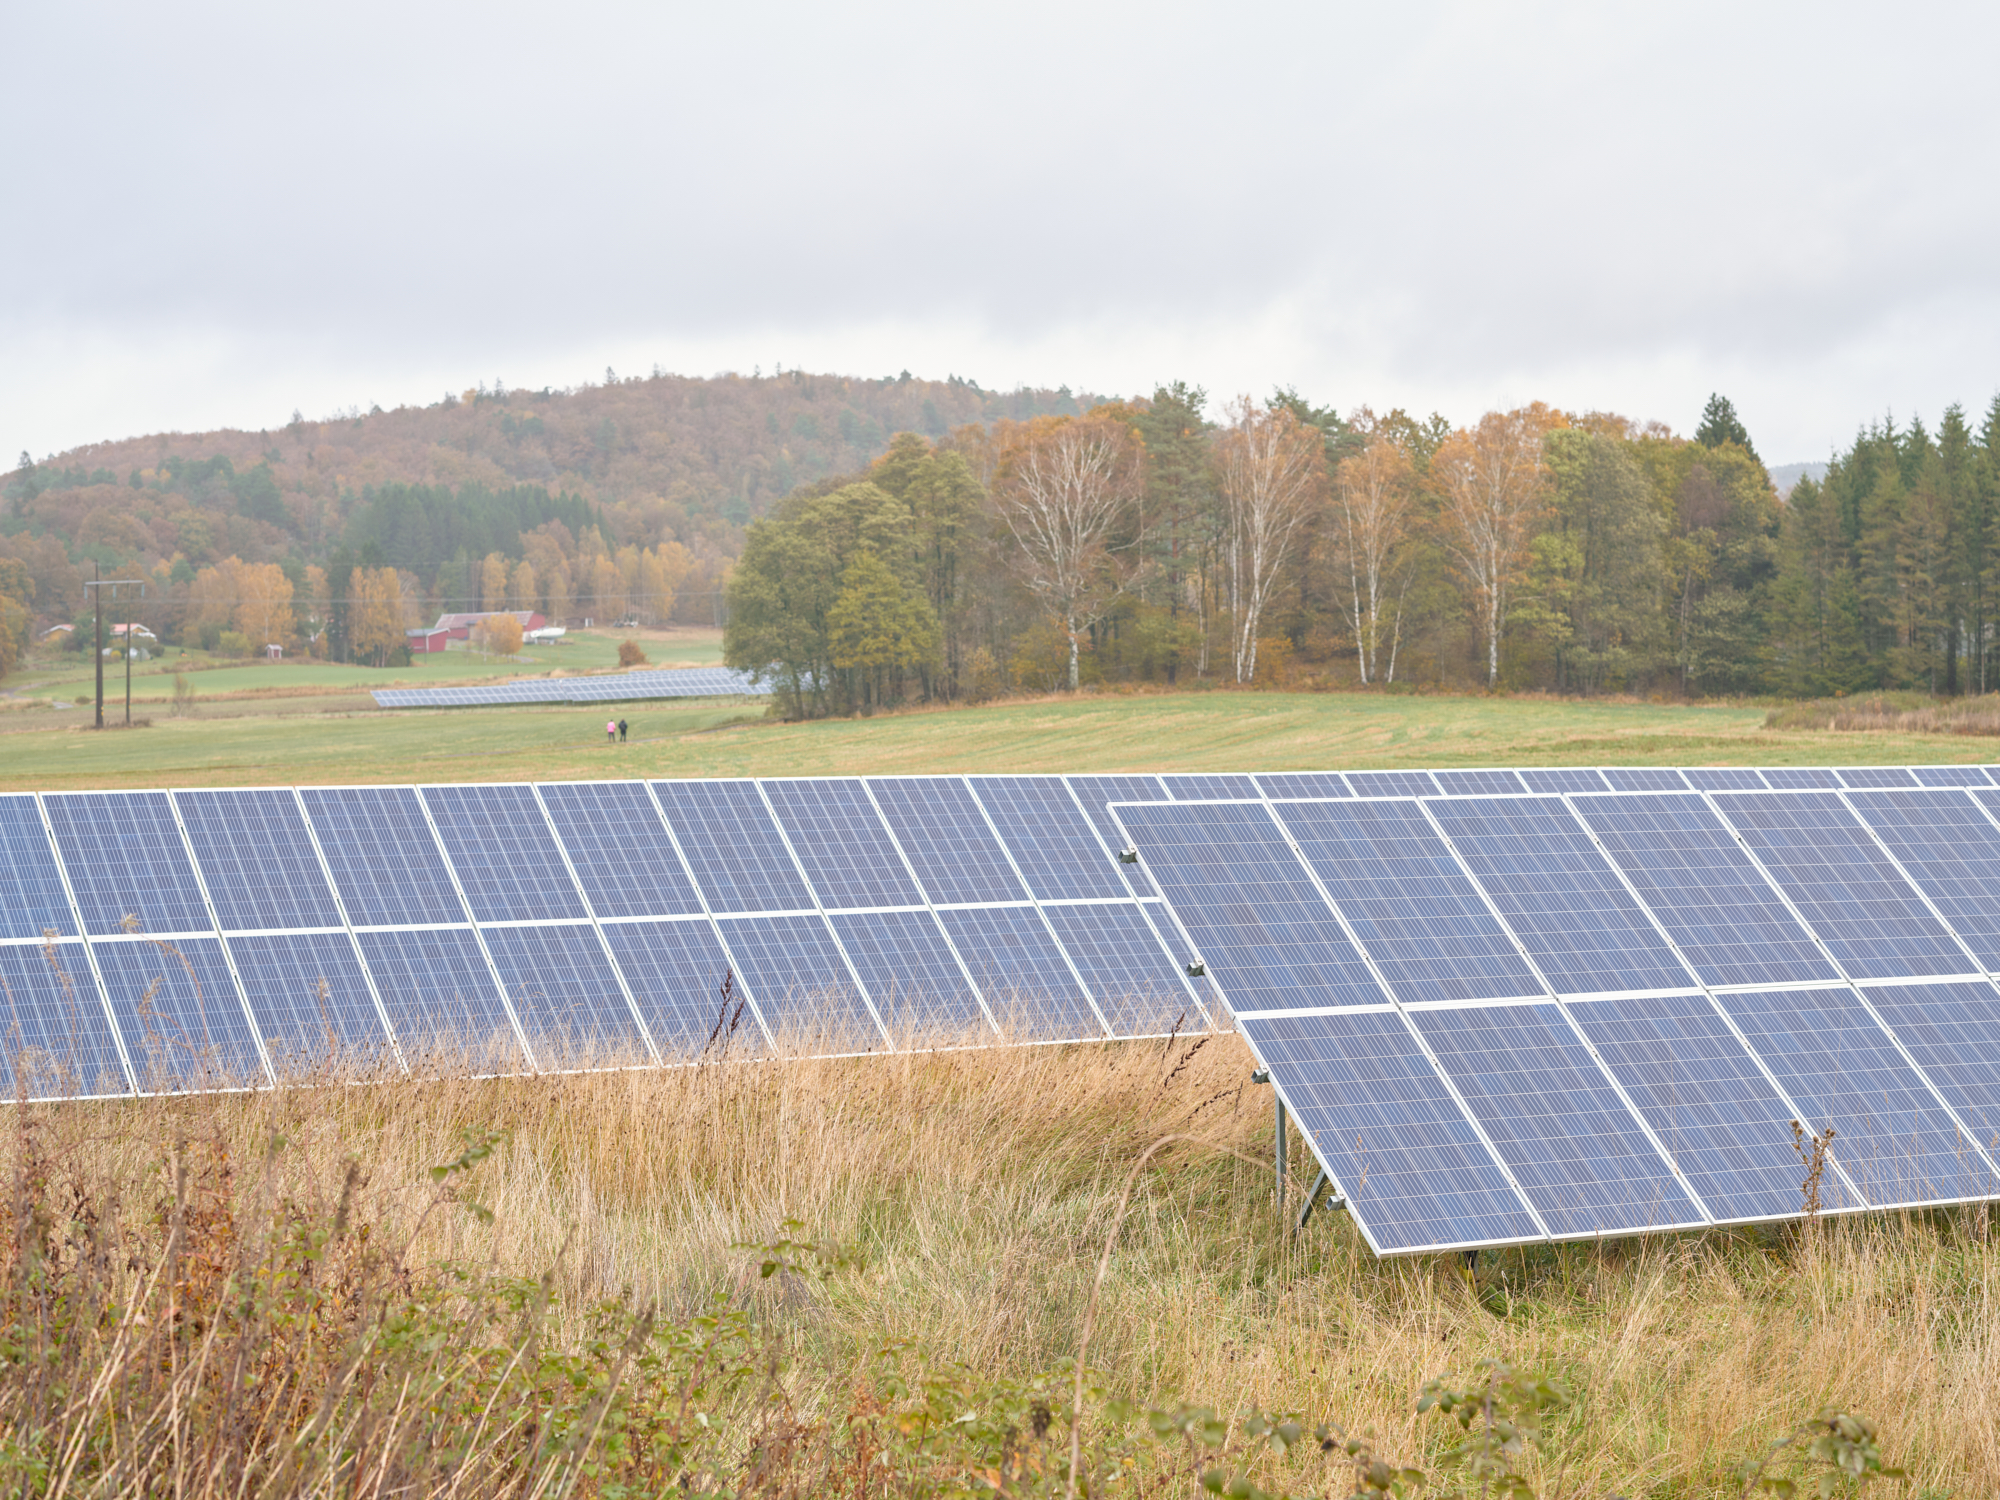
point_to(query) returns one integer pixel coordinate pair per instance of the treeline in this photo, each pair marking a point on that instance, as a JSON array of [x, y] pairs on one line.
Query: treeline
[[1276, 542]]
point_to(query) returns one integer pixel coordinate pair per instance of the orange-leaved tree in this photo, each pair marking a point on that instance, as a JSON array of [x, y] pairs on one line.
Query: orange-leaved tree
[[1272, 469], [1373, 504]]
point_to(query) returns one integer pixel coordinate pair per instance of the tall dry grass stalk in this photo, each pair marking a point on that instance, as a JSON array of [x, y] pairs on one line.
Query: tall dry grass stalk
[[1893, 713], [279, 1293]]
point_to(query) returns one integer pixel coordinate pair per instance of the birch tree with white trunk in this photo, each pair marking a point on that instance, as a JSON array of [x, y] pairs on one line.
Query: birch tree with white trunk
[[1373, 495], [1063, 491], [1272, 472]]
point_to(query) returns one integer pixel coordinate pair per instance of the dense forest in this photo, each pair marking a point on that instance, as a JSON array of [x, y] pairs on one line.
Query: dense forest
[[871, 542]]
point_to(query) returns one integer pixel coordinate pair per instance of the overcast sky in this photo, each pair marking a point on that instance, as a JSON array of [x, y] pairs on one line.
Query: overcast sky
[[216, 213]]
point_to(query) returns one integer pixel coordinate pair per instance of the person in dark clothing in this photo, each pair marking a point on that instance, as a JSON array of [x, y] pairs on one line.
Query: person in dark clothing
[[621, 729]]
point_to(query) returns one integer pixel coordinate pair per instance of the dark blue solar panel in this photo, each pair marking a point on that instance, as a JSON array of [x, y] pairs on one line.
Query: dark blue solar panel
[[1689, 870], [1055, 845], [1711, 1107], [32, 900], [566, 996], [676, 972], [1479, 783], [1952, 851], [1096, 792], [1561, 896], [1877, 776], [620, 849], [257, 859], [1408, 902], [1846, 888], [849, 857], [1392, 783], [502, 851], [739, 858], [1137, 984], [919, 990], [1893, 1138], [1212, 787], [178, 1010], [1020, 970], [1304, 784], [312, 1004], [1950, 775], [1556, 1121], [946, 836], [1723, 778], [125, 857], [54, 1040], [799, 982], [1644, 779], [385, 863], [442, 1001], [1800, 778], [1263, 930], [1413, 1170], [1953, 1032], [1564, 779]]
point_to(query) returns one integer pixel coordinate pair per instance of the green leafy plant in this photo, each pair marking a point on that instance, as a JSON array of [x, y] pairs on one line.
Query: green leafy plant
[[1840, 1452], [1501, 1415]]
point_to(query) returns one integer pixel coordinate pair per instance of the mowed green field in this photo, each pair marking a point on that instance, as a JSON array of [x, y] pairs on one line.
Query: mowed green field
[[1196, 731]]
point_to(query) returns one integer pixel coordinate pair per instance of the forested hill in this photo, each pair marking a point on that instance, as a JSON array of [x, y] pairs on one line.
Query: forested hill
[[653, 459]]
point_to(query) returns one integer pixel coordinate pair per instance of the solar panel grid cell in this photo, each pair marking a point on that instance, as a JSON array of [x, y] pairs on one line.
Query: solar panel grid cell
[[1952, 1031], [385, 862], [801, 985], [1871, 776], [1950, 776], [1055, 846], [312, 1005], [1392, 783], [619, 849], [1198, 788], [676, 972], [257, 860], [443, 1004], [1951, 850], [1097, 792], [1847, 890], [729, 837], [1800, 778], [1644, 779], [1028, 984], [1412, 1167], [838, 836], [502, 852], [1407, 901], [1136, 984], [942, 830], [32, 898], [1723, 779], [1561, 897], [1303, 784], [918, 988], [55, 1042], [1479, 783], [180, 1015], [125, 858], [566, 996], [1564, 779]]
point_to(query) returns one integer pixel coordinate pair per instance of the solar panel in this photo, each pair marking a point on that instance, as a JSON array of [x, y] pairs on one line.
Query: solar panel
[[1571, 1144], [1029, 987], [838, 836], [179, 1012], [733, 844], [55, 1042], [1407, 901], [124, 855], [1724, 1128], [800, 984], [1392, 783], [919, 990], [1561, 897], [1849, 892], [1950, 775], [1952, 851], [619, 848], [676, 971], [502, 851], [257, 859], [1258, 922], [1894, 1140], [1414, 1172], [1860, 776], [32, 899], [1303, 784], [443, 1003], [947, 839], [1953, 1033], [566, 995], [1096, 792], [1721, 913], [312, 1004], [1644, 779], [1564, 779], [1216, 788], [1057, 849], [1137, 985], [1723, 778], [384, 859], [686, 682], [1479, 783], [1800, 778]]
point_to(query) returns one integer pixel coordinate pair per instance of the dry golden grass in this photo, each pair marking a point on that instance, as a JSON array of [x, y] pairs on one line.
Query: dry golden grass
[[1893, 713], [976, 1188]]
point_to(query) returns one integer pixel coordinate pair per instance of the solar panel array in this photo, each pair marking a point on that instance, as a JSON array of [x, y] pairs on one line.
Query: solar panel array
[[1593, 1003], [678, 682]]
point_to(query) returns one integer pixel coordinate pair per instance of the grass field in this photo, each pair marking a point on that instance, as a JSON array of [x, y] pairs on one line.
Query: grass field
[[290, 742]]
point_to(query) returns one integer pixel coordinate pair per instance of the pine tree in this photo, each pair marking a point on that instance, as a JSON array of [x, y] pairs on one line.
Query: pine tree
[[1720, 424]]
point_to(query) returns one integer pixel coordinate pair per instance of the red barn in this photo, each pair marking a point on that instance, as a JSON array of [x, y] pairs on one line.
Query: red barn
[[460, 626], [421, 640]]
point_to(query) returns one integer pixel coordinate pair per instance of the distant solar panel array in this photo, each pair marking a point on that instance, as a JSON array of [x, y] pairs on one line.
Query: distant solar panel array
[[608, 687], [1507, 1007]]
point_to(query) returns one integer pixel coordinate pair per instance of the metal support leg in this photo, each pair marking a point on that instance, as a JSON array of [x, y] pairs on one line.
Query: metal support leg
[[1320, 1184], [1281, 1155]]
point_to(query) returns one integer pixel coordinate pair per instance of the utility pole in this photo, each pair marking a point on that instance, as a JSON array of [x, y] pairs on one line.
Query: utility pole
[[96, 587], [97, 600]]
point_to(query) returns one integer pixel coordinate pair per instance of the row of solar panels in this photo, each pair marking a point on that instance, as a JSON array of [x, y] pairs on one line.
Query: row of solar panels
[[683, 682], [1510, 1018]]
